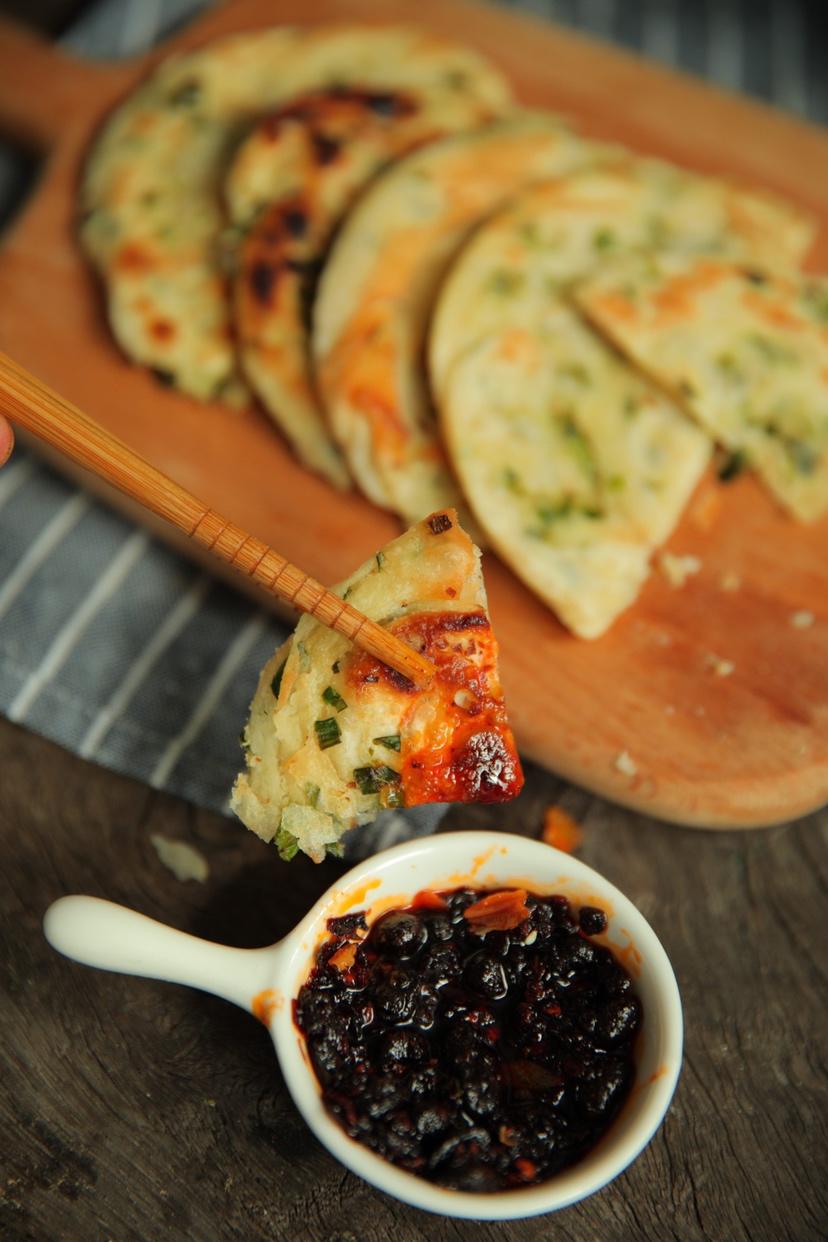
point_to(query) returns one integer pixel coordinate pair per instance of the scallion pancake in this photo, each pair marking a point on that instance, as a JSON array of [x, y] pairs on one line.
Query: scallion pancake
[[745, 351], [575, 467], [150, 200], [291, 181], [378, 287], [556, 233]]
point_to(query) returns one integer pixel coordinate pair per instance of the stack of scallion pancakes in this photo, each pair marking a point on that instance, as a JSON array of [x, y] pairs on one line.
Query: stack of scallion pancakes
[[451, 301]]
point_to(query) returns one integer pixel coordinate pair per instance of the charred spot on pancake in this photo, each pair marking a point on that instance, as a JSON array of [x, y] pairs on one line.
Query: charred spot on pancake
[[271, 127], [134, 258], [455, 622], [755, 278], [485, 767], [325, 148], [389, 103], [439, 522], [262, 279], [162, 329], [296, 221]]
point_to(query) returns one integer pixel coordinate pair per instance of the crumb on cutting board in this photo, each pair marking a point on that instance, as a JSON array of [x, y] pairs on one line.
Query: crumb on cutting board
[[183, 860], [625, 763], [730, 582], [677, 569], [719, 666], [803, 619], [560, 830]]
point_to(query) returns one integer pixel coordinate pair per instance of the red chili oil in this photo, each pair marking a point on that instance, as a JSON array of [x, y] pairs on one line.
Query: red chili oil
[[480, 1040]]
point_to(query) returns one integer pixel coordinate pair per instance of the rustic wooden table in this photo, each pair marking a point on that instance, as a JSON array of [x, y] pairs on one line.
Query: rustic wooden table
[[130, 1109], [134, 1110]]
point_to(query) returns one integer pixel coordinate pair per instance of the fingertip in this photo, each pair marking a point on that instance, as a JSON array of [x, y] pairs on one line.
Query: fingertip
[[6, 441]]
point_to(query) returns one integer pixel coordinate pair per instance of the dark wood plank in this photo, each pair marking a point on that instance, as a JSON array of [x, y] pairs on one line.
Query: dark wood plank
[[131, 1109]]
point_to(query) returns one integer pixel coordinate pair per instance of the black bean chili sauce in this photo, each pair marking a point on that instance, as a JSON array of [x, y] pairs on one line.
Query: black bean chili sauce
[[480, 1040]]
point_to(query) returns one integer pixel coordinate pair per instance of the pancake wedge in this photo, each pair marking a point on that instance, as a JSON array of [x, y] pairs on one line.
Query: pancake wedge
[[575, 467], [378, 287], [290, 183], [558, 232], [150, 199], [334, 736], [744, 350]]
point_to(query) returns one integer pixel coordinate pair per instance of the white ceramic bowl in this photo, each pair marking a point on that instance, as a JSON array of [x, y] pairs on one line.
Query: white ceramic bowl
[[264, 981]]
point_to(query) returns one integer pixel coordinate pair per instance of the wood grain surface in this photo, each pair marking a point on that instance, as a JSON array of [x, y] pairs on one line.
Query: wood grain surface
[[746, 749], [139, 1111]]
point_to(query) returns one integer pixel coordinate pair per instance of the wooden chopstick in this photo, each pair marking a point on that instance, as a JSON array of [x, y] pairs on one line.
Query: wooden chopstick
[[32, 404]]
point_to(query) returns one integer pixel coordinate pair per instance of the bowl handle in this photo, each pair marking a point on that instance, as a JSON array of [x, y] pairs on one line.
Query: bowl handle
[[110, 937]]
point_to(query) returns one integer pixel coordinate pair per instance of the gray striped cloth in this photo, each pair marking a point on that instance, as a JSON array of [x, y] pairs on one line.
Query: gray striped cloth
[[120, 650]]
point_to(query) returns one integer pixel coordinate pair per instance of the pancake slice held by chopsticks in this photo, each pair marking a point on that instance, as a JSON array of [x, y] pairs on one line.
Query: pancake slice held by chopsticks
[[335, 736]]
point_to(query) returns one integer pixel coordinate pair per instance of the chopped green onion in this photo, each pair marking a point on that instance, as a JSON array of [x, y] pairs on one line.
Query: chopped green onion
[[803, 457], [391, 796], [328, 732], [334, 698], [276, 684], [335, 849], [558, 509], [380, 559], [603, 239], [817, 301], [286, 844], [505, 282], [729, 367], [391, 741], [185, 95], [371, 780], [770, 349], [312, 794], [579, 445], [511, 479], [576, 371]]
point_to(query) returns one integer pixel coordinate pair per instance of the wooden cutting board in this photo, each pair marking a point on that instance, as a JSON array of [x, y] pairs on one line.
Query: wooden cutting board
[[740, 750]]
